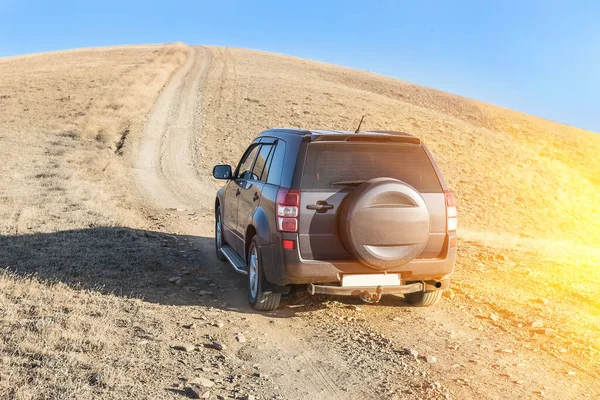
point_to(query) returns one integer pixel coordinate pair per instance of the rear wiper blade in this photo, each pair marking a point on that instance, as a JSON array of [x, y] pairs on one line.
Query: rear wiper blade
[[347, 183]]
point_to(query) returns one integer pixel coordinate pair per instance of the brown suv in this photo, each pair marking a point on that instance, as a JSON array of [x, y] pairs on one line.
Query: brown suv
[[343, 213]]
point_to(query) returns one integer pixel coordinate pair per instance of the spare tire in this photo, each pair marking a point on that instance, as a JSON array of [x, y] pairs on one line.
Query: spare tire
[[384, 223]]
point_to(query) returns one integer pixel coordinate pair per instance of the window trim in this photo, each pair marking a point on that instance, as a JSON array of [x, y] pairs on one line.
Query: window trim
[[268, 161]]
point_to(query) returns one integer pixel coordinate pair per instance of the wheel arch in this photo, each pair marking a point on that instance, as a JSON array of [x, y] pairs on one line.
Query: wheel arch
[[220, 203], [250, 233], [260, 229], [260, 224]]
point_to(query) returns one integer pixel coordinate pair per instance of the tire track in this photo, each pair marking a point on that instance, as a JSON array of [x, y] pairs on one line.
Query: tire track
[[162, 158]]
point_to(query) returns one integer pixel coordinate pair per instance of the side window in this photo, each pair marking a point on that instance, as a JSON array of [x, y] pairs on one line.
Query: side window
[[244, 168], [261, 163], [274, 173], [265, 173]]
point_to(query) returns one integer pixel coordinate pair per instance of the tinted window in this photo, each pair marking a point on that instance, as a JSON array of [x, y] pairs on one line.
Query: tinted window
[[265, 173], [261, 162], [330, 163], [244, 169], [274, 176]]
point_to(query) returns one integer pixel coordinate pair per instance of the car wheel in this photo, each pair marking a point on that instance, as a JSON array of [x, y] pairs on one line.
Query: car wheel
[[423, 299], [260, 300], [219, 235]]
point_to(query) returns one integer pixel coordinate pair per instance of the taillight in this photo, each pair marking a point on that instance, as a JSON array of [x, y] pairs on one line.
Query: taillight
[[288, 203], [451, 218]]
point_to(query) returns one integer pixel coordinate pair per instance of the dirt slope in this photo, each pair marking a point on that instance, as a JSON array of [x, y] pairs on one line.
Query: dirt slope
[[62, 116], [524, 185], [123, 225], [509, 170], [298, 365], [244, 92], [520, 181], [65, 215], [163, 155]]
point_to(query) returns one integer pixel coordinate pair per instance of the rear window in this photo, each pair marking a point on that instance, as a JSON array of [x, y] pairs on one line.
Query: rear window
[[331, 165], [277, 164]]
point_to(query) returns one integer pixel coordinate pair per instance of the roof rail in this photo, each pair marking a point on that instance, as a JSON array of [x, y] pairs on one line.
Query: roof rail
[[294, 131]]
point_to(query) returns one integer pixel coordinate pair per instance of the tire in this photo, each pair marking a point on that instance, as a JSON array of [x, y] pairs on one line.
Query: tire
[[259, 300], [219, 235], [423, 299]]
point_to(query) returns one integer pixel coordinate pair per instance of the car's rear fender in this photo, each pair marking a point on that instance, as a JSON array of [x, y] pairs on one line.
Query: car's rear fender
[[260, 221], [260, 225]]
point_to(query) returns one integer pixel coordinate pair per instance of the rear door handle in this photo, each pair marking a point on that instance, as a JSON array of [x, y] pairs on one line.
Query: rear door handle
[[255, 197], [320, 206], [237, 192]]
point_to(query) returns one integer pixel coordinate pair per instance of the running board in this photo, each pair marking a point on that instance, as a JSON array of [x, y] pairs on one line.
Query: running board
[[234, 259]]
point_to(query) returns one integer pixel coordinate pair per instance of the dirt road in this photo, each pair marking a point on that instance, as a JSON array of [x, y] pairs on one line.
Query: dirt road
[[164, 158], [321, 347]]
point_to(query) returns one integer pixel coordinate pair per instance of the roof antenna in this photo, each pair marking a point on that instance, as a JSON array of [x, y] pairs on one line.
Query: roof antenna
[[359, 124]]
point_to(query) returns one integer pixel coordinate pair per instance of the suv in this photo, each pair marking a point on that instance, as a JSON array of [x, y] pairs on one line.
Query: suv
[[339, 212]]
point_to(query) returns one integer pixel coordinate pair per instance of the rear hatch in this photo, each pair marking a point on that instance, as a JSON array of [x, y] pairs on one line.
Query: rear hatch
[[333, 169]]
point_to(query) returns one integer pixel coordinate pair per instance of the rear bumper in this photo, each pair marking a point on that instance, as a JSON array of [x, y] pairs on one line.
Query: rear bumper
[[357, 291], [286, 267]]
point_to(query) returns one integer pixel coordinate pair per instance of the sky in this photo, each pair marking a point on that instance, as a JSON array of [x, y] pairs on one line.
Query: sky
[[539, 57]]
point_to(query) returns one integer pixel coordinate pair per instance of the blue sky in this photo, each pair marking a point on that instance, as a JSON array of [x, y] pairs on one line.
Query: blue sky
[[540, 57]]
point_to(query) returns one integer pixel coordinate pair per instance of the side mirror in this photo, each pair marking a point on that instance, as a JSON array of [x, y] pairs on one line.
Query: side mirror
[[222, 172]]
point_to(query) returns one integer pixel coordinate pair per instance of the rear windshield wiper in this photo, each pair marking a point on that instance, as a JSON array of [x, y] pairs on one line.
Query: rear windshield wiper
[[347, 183]]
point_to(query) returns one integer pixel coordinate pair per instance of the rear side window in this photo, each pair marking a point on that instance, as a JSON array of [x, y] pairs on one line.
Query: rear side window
[[276, 165], [261, 167], [329, 165]]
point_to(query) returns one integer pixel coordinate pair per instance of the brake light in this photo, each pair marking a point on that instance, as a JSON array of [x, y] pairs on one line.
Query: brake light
[[451, 217], [288, 203]]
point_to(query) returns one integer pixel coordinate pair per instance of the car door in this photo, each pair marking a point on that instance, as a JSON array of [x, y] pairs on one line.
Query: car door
[[232, 197], [251, 187]]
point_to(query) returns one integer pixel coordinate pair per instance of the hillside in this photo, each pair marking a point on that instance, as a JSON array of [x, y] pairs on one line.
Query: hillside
[[62, 117], [105, 194], [527, 189], [512, 173]]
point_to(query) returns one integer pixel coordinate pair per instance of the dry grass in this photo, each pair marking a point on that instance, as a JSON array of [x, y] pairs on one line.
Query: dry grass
[[525, 186], [62, 122], [58, 342], [62, 116], [98, 93], [72, 322], [527, 189]]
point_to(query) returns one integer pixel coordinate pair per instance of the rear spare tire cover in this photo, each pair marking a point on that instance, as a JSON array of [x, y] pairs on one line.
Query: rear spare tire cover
[[384, 223]]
